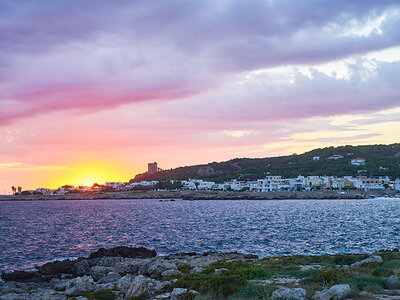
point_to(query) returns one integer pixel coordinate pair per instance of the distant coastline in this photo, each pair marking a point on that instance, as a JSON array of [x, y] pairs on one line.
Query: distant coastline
[[204, 195]]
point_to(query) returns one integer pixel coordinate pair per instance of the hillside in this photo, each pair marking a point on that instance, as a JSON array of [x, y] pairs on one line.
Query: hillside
[[377, 156]]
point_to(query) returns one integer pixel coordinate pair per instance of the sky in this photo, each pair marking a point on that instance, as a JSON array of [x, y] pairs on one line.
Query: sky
[[91, 91]]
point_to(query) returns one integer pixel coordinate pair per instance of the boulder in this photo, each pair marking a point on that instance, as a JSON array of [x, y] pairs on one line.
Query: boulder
[[80, 284], [157, 267], [171, 272], [130, 265], [336, 292], [289, 294], [371, 259], [393, 282], [178, 293], [196, 270], [220, 271], [124, 283], [111, 277], [98, 272], [123, 251], [81, 268], [142, 284]]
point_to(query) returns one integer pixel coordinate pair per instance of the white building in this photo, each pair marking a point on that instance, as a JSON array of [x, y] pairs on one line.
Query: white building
[[273, 184], [358, 161], [335, 156], [315, 158], [397, 184]]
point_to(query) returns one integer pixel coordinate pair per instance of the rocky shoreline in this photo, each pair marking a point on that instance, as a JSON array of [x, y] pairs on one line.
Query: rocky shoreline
[[202, 195], [138, 273]]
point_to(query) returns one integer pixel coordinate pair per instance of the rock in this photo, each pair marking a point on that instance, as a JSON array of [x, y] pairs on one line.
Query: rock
[[81, 268], [123, 251], [196, 270], [373, 258], [289, 294], [111, 277], [393, 282], [20, 276], [80, 284], [142, 284], [170, 272], [311, 267], [124, 282], [336, 292], [98, 272], [42, 294], [57, 267], [178, 293], [163, 296], [130, 265], [157, 267], [220, 271]]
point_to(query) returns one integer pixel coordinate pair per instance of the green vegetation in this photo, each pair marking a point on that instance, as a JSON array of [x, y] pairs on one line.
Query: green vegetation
[[247, 279], [386, 156], [100, 295]]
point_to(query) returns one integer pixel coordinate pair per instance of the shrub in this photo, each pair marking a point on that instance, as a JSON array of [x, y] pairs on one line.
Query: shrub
[[328, 277], [366, 283], [382, 272], [253, 273], [223, 285], [99, 295], [254, 292]]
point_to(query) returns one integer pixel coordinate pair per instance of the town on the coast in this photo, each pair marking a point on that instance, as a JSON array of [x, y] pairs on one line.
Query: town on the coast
[[270, 183]]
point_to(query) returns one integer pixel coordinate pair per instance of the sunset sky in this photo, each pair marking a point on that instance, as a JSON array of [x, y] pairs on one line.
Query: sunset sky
[[90, 91]]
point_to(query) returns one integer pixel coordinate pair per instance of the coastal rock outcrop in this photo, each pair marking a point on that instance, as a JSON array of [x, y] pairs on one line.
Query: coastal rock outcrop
[[123, 251], [284, 293], [78, 285]]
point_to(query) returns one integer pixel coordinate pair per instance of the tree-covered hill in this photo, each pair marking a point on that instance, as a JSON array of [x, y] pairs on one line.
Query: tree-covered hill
[[381, 160]]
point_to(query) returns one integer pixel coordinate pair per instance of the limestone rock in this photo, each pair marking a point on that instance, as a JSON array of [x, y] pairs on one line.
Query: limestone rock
[[110, 278], [141, 284], [289, 294], [80, 284], [393, 282], [196, 270], [220, 271], [98, 272], [336, 292], [170, 272], [177, 293], [124, 282], [373, 258]]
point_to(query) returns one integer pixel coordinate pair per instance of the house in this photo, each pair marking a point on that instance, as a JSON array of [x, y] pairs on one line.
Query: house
[[358, 161], [272, 184], [315, 158], [397, 184]]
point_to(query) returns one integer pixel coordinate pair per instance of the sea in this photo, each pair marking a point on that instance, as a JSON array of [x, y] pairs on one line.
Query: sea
[[35, 232]]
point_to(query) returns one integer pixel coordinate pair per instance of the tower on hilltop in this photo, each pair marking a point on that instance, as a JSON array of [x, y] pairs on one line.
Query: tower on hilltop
[[152, 168]]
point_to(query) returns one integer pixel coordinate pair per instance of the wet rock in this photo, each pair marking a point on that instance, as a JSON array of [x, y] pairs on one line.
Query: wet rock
[[393, 282], [21, 276], [78, 285], [336, 292], [57, 267], [371, 259], [123, 251], [289, 294], [220, 271], [44, 294], [196, 270]]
